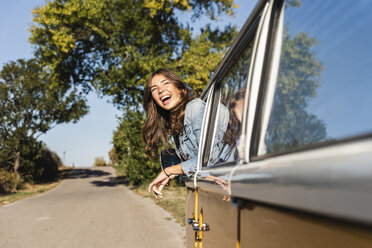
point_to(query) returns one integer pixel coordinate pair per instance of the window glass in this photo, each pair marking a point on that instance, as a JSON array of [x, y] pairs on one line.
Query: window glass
[[230, 92], [324, 86]]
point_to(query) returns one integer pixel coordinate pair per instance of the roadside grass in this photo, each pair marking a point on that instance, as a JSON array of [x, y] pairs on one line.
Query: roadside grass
[[29, 190], [173, 200]]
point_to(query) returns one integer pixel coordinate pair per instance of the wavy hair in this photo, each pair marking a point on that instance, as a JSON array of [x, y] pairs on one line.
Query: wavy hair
[[233, 131], [161, 123]]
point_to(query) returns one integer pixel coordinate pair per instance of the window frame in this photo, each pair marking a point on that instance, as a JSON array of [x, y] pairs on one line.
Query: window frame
[[247, 35]]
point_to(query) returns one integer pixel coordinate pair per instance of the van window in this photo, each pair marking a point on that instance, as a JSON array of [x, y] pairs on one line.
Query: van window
[[229, 94], [324, 86]]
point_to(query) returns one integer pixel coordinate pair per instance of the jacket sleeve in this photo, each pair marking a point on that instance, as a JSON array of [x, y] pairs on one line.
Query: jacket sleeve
[[194, 113]]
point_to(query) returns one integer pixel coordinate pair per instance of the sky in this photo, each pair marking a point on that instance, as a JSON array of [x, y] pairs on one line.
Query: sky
[[76, 144]]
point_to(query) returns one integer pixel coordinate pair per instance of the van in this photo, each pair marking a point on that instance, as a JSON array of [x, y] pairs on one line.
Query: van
[[295, 163]]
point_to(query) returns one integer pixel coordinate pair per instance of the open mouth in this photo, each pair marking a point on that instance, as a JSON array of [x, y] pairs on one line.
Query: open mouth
[[166, 99]]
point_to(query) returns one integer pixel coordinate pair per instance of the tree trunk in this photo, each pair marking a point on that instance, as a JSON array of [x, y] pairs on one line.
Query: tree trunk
[[17, 162]]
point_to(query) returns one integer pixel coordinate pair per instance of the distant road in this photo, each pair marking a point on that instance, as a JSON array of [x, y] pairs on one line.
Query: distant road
[[88, 210]]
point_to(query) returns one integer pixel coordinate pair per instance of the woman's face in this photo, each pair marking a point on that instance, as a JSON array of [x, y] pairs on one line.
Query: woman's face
[[164, 92]]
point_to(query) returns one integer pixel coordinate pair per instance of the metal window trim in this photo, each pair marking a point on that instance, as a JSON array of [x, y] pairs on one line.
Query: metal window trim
[[271, 82], [254, 82], [203, 132]]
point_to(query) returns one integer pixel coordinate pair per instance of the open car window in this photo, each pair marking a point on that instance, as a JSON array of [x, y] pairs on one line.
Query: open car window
[[225, 125]]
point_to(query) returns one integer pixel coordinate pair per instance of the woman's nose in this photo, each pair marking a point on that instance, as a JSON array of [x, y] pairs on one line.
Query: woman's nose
[[160, 90]]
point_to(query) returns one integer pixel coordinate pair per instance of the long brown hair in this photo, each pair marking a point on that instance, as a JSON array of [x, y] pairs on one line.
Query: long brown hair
[[234, 130], [161, 123]]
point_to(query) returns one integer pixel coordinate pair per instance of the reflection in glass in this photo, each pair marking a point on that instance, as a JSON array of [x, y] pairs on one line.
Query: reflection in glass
[[232, 90], [324, 82]]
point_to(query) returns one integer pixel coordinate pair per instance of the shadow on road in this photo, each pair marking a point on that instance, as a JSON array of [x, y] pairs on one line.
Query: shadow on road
[[90, 173], [110, 182], [86, 173]]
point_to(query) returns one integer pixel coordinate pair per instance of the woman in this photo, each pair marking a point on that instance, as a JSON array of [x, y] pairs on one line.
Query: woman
[[231, 138], [172, 111]]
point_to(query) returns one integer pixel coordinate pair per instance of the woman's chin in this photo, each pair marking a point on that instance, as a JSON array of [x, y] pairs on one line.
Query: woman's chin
[[169, 106]]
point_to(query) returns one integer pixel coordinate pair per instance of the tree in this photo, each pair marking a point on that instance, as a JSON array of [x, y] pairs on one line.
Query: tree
[[29, 107], [129, 147], [113, 45]]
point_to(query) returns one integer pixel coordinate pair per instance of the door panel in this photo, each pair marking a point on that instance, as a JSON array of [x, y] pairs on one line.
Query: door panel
[[265, 226], [218, 213], [222, 219]]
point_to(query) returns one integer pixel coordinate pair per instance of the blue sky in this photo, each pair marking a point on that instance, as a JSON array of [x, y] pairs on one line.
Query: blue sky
[[91, 137]]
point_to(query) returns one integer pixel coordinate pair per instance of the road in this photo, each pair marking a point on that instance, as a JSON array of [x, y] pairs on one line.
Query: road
[[88, 209]]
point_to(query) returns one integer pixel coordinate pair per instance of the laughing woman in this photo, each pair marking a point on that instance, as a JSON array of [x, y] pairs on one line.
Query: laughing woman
[[172, 111]]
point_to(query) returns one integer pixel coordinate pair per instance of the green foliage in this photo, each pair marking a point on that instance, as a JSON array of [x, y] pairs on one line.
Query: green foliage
[[198, 62], [8, 182], [48, 165], [99, 161], [31, 151], [129, 146], [38, 163], [113, 45], [29, 107]]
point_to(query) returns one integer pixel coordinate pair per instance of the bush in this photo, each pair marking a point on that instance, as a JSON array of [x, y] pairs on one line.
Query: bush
[[38, 163], [129, 148], [31, 152], [8, 182], [47, 165], [99, 161]]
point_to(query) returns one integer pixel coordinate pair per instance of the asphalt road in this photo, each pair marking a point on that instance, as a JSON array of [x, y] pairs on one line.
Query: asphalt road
[[89, 209]]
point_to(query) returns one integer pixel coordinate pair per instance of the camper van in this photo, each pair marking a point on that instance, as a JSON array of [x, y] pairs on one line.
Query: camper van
[[294, 165]]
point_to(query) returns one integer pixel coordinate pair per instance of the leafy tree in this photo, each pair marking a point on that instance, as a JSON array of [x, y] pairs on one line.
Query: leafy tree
[[198, 62], [129, 147], [29, 107], [113, 45]]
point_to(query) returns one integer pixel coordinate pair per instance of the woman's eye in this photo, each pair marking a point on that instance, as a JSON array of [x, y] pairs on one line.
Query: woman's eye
[[153, 89]]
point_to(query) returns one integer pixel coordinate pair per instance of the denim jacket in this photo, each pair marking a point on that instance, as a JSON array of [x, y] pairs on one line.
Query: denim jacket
[[190, 139]]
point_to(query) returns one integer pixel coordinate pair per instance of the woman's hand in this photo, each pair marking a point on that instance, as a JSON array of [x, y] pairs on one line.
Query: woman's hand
[[163, 179], [158, 183]]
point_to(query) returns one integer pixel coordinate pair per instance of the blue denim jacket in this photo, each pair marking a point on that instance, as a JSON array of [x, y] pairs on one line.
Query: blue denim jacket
[[190, 139]]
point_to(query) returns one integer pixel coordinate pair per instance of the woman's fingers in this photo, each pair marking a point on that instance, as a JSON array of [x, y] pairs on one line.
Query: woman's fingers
[[157, 192], [150, 187], [158, 184], [163, 183]]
